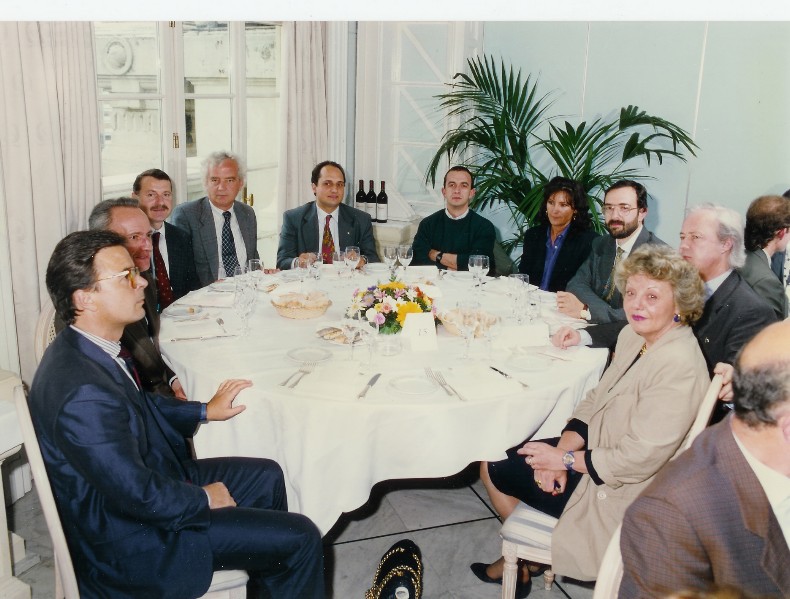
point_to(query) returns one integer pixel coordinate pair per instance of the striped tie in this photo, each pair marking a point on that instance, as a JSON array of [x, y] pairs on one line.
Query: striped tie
[[610, 284], [229, 259]]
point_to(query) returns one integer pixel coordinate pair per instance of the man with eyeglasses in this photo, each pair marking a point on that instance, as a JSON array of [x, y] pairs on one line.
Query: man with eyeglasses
[[141, 338], [591, 293], [327, 224], [142, 518], [224, 231]]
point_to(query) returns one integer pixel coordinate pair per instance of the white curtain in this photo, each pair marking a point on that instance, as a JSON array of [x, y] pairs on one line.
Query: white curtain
[[305, 124], [49, 149]]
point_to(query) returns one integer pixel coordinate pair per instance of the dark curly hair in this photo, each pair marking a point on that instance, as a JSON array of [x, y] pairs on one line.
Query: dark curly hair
[[765, 216], [582, 220]]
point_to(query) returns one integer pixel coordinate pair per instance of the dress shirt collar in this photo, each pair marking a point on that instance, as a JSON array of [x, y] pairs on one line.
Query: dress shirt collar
[[712, 285], [776, 487], [218, 212], [111, 348], [628, 244], [322, 214], [451, 217], [767, 257]]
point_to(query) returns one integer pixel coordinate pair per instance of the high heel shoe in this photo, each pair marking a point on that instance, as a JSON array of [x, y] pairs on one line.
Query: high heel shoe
[[522, 588]]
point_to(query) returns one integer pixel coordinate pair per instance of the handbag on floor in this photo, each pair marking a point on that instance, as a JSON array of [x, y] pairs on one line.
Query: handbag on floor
[[399, 573]]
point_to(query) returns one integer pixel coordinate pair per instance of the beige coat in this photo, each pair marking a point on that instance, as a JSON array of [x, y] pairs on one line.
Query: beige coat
[[637, 419]]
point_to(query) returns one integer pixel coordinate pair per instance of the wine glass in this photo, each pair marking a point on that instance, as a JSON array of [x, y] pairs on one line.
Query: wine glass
[[467, 321], [339, 262], [405, 254], [368, 333], [352, 257], [390, 256], [491, 324], [533, 306], [301, 264], [315, 267], [518, 284], [350, 327], [255, 270], [476, 267], [243, 302]]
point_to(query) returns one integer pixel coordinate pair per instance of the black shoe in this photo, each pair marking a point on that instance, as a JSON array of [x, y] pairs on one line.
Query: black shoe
[[399, 574], [522, 588]]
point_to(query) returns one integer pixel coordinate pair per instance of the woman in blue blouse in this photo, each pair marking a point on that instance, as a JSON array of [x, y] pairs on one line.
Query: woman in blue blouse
[[556, 247]]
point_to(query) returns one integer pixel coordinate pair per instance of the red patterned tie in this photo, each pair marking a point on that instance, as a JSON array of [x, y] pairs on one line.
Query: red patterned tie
[[327, 243], [163, 288]]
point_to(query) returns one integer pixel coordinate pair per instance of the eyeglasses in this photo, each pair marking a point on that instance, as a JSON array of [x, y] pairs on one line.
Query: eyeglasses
[[623, 209], [131, 275]]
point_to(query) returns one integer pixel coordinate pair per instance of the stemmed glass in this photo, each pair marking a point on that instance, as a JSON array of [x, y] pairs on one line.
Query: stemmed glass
[[255, 270], [339, 262], [519, 284], [468, 319], [533, 306], [352, 258], [405, 254], [302, 266], [390, 256], [368, 333], [478, 266], [350, 327], [490, 324], [243, 301]]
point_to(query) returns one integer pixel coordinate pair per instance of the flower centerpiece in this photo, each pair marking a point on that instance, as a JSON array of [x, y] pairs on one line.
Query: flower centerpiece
[[388, 304]]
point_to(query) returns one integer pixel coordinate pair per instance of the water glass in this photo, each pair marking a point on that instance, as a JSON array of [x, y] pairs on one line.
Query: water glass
[[390, 256], [243, 302], [467, 321], [315, 267], [405, 254], [352, 258], [255, 270]]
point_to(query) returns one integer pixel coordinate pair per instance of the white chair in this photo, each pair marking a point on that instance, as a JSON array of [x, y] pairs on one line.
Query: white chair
[[228, 584], [607, 584], [526, 534], [45, 330]]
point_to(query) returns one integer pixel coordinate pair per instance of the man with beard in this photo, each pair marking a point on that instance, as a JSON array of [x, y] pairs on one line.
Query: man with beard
[[591, 293], [172, 262]]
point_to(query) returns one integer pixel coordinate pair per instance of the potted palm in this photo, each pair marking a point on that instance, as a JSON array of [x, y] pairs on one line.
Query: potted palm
[[513, 147]]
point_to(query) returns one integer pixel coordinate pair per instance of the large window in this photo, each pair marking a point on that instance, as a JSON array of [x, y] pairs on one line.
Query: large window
[[171, 93]]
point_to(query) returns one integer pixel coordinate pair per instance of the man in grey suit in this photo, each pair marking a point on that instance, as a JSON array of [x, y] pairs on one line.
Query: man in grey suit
[[720, 513], [591, 293], [326, 223], [767, 232], [224, 232]]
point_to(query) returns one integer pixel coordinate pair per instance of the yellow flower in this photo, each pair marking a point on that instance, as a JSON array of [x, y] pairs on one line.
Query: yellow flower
[[392, 285], [407, 308]]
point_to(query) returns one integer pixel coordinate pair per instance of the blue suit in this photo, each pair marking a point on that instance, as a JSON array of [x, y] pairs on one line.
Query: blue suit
[[137, 521]]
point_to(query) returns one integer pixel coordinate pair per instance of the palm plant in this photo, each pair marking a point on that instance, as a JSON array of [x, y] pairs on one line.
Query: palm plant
[[498, 136]]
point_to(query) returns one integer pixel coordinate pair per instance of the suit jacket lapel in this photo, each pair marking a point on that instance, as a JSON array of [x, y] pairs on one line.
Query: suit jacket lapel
[[755, 509], [208, 236], [248, 234], [345, 226], [310, 229]]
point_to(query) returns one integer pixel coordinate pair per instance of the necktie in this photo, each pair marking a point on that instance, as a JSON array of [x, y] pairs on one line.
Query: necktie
[[163, 288], [327, 243], [229, 259], [618, 256], [126, 356]]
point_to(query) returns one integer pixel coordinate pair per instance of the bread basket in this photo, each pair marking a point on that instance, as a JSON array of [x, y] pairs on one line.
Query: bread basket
[[301, 306]]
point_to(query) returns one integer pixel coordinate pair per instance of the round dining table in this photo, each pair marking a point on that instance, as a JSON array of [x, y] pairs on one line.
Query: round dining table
[[334, 446]]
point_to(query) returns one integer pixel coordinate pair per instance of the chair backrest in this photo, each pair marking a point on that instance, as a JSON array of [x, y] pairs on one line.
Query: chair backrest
[[705, 410], [45, 330], [65, 580], [610, 573]]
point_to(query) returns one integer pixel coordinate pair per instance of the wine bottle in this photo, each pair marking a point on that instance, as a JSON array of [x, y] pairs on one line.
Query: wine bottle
[[362, 197], [382, 205], [371, 205]]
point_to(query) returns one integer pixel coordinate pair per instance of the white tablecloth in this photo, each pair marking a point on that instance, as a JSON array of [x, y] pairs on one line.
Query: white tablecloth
[[332, 447]]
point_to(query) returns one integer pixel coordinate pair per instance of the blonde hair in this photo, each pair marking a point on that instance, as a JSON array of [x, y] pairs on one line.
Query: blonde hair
[[662, 263]]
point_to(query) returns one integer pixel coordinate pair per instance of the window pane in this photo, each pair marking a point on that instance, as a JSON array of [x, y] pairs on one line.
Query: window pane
[[206, 57], [208, 129], [263, 131], [263, 58], [127, 58]]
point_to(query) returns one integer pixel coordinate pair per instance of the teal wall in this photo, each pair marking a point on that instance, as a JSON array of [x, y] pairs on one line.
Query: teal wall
[[726, 83]]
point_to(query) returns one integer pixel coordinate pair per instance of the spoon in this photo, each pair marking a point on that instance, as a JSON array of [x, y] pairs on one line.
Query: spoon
[[221, 323]]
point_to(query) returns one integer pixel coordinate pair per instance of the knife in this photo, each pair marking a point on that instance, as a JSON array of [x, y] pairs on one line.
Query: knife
[[203, 338], [509, 376], [371, 382]]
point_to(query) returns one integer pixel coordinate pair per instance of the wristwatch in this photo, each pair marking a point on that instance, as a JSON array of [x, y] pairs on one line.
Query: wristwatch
[[568, 460], [439, 258], [585, 313]]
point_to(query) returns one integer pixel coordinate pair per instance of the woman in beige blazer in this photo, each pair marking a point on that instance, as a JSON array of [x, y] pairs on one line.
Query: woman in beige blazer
[[624, 431]]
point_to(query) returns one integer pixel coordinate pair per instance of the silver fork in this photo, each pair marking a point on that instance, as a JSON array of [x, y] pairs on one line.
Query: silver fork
[[304, 369], [440, 378], [431, 375]]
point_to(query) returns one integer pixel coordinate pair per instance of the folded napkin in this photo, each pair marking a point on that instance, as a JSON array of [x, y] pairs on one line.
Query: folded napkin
[[334, 381], [474, 381], [194, 329], [535, 334], [207, 298]]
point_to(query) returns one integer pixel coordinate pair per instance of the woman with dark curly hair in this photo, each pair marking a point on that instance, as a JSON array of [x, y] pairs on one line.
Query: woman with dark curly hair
[[555, 248]]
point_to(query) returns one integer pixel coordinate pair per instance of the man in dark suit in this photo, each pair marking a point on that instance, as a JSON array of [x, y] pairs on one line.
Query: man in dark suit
[[779, 258], [591, 293], [172, 247], [326, 224], [224, 232], [143, 519], [720, 513], [141, 338], [767, 232]]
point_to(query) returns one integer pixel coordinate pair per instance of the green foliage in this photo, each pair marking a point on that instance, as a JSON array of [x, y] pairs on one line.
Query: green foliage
[[499, 118]]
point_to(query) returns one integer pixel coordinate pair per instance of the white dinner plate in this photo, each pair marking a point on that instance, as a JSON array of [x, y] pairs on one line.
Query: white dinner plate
[[529, 362], [224, 285], [309, 354], [177, 312], [412, 385]]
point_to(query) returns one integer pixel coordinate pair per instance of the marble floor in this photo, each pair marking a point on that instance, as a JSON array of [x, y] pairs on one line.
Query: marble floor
[[449, 519]]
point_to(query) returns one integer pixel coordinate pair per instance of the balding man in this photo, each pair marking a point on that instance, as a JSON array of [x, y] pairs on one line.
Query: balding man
[[141, 338], [766, 233], [720, 513]]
